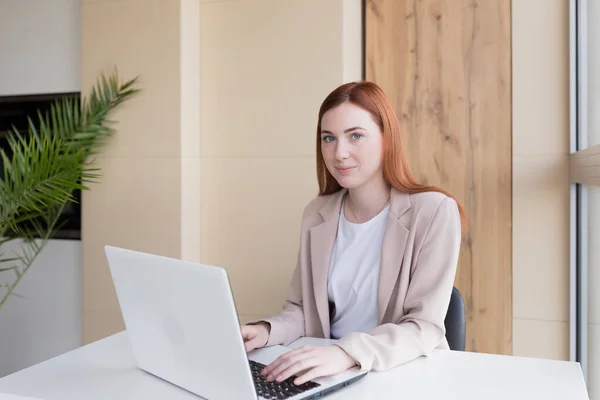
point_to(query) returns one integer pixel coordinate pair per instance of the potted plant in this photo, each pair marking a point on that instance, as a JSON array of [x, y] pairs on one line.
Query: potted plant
[[44, 167]]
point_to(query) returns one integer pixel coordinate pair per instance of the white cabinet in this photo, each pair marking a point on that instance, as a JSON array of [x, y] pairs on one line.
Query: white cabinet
[[47, 321], [40, 46]]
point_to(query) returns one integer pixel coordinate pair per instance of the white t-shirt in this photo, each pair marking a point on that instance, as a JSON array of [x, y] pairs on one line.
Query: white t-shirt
[[354, 274]]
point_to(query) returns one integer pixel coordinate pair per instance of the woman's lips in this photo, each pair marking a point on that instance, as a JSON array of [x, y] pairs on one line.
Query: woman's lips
[[344, 169]]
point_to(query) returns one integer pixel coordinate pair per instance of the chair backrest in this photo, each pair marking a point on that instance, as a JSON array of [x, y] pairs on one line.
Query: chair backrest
[[456, 322]]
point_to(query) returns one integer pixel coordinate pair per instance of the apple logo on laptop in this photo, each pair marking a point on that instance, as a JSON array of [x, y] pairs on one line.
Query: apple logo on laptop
[[172, 328]]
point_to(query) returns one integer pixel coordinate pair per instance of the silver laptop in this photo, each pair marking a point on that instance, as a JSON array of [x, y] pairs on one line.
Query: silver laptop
[[183, 327]]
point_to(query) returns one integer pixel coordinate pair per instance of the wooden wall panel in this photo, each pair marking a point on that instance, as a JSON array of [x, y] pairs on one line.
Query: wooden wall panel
[[447, 67]]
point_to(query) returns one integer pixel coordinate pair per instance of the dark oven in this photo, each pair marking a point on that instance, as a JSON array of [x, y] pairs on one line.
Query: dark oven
[[14, 111]]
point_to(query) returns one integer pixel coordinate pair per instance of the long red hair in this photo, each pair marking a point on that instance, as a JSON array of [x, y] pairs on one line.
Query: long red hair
[[396, 171]]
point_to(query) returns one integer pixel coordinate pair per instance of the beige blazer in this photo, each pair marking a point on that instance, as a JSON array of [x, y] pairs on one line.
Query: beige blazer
[[418, 265]]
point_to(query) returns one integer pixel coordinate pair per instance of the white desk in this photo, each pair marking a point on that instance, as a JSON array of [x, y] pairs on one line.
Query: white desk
[[106, 370]]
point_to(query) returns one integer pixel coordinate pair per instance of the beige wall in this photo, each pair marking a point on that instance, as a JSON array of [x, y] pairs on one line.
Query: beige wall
[[148, 196], [262, 85], [540, 30], [214, 160]]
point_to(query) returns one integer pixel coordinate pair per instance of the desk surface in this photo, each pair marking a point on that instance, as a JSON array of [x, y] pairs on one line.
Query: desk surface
[[106, 369]]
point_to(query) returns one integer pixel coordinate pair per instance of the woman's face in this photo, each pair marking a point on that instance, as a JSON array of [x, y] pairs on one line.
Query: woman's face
[[351, 144]]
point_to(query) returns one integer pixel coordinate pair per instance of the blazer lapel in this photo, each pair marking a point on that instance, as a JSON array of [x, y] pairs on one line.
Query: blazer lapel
[[392, 252], [322, 239]]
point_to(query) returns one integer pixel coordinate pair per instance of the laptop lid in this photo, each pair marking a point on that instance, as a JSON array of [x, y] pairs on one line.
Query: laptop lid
[[182, 323]]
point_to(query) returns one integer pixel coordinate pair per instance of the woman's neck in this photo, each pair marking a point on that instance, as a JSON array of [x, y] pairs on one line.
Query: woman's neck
[[367, 201]]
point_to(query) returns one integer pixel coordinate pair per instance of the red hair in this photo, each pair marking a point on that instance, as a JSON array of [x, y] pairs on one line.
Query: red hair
[[396, 171]]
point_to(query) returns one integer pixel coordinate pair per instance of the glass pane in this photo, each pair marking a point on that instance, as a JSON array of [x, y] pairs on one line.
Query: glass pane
[[593, 73], [592, 248], [589, 213]]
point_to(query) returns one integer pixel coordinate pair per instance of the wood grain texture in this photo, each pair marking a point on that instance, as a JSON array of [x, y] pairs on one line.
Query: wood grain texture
[[446, 65]]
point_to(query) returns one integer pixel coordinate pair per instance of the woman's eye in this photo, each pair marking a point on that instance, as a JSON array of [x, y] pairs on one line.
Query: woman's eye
[[327, 138], [356, 136]]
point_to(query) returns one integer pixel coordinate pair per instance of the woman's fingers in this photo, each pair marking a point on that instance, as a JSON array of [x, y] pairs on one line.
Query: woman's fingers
[[322, 361], [299, 364], [316, 372], [255, 336], [252, 344], [250, 340], [284, 359]]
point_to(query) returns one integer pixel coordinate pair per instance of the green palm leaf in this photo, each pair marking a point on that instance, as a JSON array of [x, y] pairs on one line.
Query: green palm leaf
[[43, 168]]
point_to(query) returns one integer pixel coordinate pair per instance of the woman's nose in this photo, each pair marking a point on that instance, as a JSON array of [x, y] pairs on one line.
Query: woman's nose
[[341, 151]]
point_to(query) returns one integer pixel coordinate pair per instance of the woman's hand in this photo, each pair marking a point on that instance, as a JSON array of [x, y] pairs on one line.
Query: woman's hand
[[255, 336], [308, 363]]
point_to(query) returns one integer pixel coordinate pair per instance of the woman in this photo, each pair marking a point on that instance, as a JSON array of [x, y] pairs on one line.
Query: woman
[[378, 251]]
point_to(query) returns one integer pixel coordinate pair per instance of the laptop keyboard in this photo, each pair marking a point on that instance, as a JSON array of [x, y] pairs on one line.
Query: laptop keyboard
[[277, 390]]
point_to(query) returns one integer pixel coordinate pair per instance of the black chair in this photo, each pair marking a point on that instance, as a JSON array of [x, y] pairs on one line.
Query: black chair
[[455, 322]]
